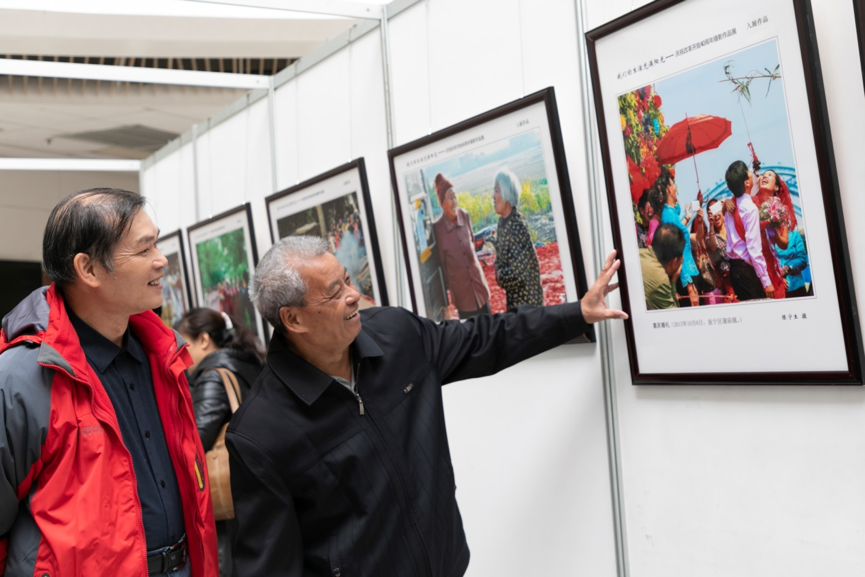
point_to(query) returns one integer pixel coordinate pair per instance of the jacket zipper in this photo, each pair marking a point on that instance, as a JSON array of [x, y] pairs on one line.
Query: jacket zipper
[[104, 421], [357, 389], [402, 482], [195, 513]]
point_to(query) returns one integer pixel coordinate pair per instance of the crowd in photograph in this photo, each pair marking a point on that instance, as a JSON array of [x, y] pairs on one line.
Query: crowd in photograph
[[231, 297], [745, 247], [344, 221]]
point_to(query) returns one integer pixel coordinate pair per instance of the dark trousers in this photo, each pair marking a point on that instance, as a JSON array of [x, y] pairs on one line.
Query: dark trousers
[[746, 283], [225, 535], [484, 310]]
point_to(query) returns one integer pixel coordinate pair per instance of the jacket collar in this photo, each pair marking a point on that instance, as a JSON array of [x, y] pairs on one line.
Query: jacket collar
[[460, 221], [43, 313], [305, 380]]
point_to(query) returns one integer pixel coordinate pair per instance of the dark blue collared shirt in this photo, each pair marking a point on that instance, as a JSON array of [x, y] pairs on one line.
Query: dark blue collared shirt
[[125, 375]]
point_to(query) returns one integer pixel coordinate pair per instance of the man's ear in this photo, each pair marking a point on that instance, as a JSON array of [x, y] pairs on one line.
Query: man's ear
[[85, 270], [292, 320]]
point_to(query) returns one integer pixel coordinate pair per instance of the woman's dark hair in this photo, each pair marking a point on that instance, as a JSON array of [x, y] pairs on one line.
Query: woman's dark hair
[[644, 198], [662, 183], [203, 320], [657, 198], [91, 222]]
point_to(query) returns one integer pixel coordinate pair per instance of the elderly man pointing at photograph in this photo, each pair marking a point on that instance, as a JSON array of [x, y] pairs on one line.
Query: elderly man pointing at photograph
[[339, 456]]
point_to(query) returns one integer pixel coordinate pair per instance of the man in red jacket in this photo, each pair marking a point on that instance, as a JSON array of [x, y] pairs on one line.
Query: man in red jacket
[[101, 466]]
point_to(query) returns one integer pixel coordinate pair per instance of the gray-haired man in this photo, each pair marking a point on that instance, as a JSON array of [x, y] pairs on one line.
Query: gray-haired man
[[339, 455]]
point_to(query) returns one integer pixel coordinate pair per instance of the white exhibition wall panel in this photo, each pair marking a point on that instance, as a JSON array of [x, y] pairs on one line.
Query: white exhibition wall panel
[[529, 445], [285, 115], [186, 197], [324, 116], [369, 140], [755, 481], [164, 189], [409, 73], [475, 58], [259, 176], [226, 149], [204, 158]]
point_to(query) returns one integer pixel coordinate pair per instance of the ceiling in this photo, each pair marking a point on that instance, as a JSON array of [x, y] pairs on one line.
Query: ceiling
[[55, 118]]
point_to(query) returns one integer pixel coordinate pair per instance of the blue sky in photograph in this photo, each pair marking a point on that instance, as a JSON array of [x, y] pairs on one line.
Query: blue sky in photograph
[[474, 171], [698, 91]]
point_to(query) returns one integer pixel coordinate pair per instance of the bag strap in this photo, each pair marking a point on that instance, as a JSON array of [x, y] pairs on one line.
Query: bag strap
[[232, 389]]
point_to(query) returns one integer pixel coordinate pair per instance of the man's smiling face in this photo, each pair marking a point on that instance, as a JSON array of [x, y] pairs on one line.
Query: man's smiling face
[[330, 312]]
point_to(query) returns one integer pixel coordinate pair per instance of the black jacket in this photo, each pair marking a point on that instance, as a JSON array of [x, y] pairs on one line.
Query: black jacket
[[209, 400], [329, 484]]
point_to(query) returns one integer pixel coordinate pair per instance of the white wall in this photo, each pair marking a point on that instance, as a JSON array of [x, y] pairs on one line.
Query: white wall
[[26, 200], [732, 481]]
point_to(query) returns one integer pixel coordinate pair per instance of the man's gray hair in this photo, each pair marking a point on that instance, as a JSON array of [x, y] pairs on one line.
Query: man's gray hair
[[277, 281], [509, 185]]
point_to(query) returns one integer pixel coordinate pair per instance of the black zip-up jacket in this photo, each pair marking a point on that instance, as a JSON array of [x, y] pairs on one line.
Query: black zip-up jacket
[[209, 399], [326, 483]]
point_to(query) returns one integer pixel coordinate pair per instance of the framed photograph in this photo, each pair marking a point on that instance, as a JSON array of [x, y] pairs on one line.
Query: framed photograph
[[223, 259], [723, 195], [486, 214], [335, 206], [176, 299]]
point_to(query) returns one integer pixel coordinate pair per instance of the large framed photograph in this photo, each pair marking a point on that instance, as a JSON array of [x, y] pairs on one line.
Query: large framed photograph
[[176, 299], [335, 206], [723, 195], [223, 259], [486, 214]]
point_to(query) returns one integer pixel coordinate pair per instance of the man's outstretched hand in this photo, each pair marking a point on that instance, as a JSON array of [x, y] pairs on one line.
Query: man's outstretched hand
[[592, 304]]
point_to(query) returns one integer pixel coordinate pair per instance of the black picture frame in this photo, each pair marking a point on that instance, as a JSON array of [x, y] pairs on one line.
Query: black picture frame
[[244, 258], [323, 193], [175, 283], [523, 136], [794, 349]]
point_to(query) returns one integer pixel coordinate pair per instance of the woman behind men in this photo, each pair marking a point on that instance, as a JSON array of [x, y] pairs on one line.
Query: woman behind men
[[670, 214], [464, 277], [217, 342], [517, 269]]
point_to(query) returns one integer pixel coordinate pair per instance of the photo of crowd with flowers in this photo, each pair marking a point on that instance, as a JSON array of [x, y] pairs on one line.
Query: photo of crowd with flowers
[[717, 211]]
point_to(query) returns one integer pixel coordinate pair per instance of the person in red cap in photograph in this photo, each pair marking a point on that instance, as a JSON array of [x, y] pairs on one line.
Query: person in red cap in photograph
[[464, 277]]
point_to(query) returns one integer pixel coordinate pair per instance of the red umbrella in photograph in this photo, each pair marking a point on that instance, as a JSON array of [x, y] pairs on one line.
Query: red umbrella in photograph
[[690, 137]]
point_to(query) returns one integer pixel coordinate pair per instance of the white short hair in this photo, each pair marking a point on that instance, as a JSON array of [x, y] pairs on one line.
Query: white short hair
[[277, 281], [509, 185]]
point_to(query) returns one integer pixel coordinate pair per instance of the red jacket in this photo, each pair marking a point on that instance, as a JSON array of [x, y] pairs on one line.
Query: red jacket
[[68, 496]]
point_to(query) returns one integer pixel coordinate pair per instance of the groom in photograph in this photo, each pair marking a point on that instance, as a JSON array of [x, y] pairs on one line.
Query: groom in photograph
[[748, 273]]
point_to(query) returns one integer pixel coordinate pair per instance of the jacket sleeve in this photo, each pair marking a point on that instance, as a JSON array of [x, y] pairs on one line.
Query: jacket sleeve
[[25, 404], [797, 260], [486, 344], [268, 535], [211, 407]]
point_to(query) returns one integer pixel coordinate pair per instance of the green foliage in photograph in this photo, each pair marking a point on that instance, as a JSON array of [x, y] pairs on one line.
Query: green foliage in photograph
[[222, 259]]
